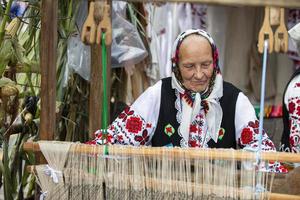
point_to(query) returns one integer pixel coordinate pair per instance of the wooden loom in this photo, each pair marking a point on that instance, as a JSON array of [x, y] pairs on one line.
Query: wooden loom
[[48, 95], [184, 173]]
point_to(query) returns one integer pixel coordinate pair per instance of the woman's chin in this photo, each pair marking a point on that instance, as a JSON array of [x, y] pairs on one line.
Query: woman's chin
[[200, 90], [196, 87]]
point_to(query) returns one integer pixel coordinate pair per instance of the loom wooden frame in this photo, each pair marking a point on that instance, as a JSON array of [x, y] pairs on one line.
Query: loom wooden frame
[[192, 153], [177, 152]]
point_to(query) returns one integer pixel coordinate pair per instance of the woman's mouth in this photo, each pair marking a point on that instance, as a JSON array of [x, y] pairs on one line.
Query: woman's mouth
[[199, 83]]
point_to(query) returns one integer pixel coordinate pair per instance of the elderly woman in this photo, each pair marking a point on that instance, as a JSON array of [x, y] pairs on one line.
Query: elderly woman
[[193, 108]]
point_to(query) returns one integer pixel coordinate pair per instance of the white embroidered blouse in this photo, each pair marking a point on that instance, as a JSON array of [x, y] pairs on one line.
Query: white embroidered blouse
[[136, 125]]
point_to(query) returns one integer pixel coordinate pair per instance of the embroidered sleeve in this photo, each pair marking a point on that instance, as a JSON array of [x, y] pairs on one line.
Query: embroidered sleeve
[[136, 124], [249, 138], [292, 103], [294, 123], [247, 125], [247, 133]]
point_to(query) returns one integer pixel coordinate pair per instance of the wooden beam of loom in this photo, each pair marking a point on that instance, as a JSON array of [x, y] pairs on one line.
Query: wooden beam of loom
[[204, 188], [96, 87], [48, 68], [193, 153], [276, 3]]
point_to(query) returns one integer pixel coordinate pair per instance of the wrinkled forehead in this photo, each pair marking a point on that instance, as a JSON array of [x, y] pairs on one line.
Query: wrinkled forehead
[[194, 41], [188, 34]]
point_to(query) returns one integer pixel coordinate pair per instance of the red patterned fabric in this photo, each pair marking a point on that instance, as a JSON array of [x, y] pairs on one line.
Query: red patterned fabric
[[128, 128], [250, 138], [294, 123], [134, 124]]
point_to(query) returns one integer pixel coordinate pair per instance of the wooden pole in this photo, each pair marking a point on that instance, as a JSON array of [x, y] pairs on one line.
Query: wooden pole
[[276, 3], [48, 68], [96, 88], [192, 153], [95, 103]]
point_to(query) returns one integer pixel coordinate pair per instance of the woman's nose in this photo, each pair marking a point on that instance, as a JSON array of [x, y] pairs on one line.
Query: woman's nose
[[198, 72]]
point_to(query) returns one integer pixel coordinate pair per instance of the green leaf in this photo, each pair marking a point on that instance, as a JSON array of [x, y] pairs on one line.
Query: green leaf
[[6, 81], [5, 54], [18, 51]]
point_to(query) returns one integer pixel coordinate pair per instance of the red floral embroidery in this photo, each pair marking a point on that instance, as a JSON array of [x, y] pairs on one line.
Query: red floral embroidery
[[254, 124], [193, 143], [283, 169], [270, 143], [276, 167], [109, 138], [298, 110], [221, 132], [134, 124], [143, 138], [246, 136], [127, 112], [294, 125], [205, 106], [148, 125], [111, 127], [193, 128], [120, 138], [92, 142], [187, 98], [292, 107], [297, 85], [169, 130], [292, 142], [104, 138]]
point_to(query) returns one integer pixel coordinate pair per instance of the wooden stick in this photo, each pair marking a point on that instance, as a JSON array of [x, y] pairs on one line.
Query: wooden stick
[[193, 153], [266, 33], [278, 3], [277, 196], [281, 35], [88, 34]]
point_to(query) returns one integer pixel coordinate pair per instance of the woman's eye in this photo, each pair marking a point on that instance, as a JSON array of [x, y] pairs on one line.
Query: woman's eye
[[189, 66], [206, 65]]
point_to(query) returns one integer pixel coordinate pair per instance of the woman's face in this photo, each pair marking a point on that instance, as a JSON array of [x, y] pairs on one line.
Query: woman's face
[[195, 63]]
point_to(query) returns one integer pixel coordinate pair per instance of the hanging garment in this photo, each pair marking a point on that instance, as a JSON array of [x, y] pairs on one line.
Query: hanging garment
[[192, 16], [293, 19], [165, 23]]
